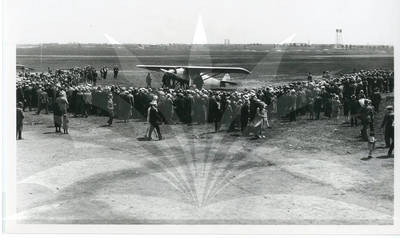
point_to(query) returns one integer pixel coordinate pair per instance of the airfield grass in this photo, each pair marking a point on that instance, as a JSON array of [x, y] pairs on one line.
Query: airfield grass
[[266, 67]]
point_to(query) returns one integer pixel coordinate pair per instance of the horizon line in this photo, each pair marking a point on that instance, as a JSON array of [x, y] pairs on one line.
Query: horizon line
[[176, 43]]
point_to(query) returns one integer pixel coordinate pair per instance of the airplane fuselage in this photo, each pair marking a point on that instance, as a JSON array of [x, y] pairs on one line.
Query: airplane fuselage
[[189, 76], [201, 76]]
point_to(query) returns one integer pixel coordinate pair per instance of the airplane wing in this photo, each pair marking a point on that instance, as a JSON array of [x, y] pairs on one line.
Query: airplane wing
[[202, 69], [23, 67]]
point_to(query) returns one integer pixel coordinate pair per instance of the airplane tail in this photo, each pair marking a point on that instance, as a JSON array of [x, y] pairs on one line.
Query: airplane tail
[[226, 77], [227, 80]]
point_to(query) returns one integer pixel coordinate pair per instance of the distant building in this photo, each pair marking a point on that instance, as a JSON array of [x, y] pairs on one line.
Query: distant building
[[227, 42]]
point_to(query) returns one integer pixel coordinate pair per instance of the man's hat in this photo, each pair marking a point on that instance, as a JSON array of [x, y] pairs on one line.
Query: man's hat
[[389, 107]]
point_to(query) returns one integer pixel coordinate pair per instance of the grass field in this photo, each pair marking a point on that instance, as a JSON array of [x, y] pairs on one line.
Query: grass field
[[267, 67]]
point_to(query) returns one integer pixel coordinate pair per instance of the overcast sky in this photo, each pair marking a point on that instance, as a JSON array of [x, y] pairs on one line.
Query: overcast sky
[[174, 21]]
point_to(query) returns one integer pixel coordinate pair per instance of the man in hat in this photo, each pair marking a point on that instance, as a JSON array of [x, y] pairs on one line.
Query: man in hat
[[198, 81], [20, 119], [166, 80], [387, 123], [94, 77], [116, 70], [110, 109], [244, 115], [292, 105], [43, 101], [391, 133], [376, 99], [28, 96], [309, 77], [354, 110], [21, 95], [367, 119], [153, 118], [87, 102]]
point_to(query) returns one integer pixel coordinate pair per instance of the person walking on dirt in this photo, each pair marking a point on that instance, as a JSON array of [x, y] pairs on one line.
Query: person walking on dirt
[[387, 124], [367, 119], [391, 134], [153, 118]]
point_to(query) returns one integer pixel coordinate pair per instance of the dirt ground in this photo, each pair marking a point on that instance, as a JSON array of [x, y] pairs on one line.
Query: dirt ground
[[304, 172]]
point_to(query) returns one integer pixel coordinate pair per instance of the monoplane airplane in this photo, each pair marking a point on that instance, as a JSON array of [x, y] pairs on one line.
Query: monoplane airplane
[[201, 76]]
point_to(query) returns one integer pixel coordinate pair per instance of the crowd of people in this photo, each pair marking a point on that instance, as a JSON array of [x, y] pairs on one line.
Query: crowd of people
[[79, 75], [353, 97]]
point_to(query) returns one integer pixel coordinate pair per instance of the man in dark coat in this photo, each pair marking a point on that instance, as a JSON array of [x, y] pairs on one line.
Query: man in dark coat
[[148, 80], [198, 81], [21, 96], [179, 107], [166, 80], [317, 106], [354, 110], [218, 113], [387, 123], [188, 108], [94, 77], [212, 105], [116, 70], [376, 99], [43, 101], [105, 71], [20, 119], [28, 97], [153, 118]]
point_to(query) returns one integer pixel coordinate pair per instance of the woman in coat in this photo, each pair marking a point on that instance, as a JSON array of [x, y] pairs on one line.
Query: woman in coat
[[60, 109]]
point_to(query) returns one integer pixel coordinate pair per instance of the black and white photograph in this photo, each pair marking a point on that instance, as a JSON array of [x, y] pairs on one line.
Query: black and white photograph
[[207, 113]]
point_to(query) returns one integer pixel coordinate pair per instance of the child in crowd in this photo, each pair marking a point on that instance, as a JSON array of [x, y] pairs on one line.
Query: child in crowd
[[65, 123], [371, 144]]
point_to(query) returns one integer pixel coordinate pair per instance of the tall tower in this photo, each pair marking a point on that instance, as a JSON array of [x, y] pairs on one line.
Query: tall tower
[[339, 38]]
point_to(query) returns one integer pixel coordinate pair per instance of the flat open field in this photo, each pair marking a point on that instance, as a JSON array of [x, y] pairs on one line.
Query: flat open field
[[267, 67], [305, 172]]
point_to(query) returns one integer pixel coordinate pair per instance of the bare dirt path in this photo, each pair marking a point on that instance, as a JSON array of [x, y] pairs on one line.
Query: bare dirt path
[[306, 172]]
